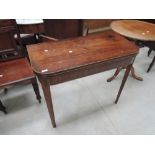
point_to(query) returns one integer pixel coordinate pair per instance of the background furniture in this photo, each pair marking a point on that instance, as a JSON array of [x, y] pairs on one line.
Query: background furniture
[[33, 26], [150, 44], [29, 30], [78, 57], [138, 31], [8, 46], [16, 69], [95, 25], [63, 28]]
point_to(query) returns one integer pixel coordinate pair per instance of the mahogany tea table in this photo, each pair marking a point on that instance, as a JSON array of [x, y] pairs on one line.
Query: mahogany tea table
[[65, 60], [140, 32]]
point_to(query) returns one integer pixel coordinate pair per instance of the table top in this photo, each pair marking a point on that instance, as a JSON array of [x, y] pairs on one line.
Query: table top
[[28, 26], [55, 57], [135, 29], [29, 21]]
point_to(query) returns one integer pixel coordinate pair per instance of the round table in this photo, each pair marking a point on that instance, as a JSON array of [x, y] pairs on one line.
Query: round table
[[27, 26], [135, 30]]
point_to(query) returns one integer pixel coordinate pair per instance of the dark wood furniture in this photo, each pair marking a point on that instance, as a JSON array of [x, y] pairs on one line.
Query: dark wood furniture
[[30, 30], [61, 61], [30, 27], [8, 46], [94, 25], [137, 31], [150, 44], [63, 28], [16, 69]]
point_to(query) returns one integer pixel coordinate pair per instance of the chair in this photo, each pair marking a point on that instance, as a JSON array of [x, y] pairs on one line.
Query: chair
[[14, 69]]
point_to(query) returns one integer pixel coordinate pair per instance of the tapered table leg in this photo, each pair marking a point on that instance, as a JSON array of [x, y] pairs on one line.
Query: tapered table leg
[[151, 64], [123, 82], [48, 98], [149, 52]]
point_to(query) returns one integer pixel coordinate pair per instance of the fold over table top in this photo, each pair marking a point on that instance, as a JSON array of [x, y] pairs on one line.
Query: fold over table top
[[54, 57]]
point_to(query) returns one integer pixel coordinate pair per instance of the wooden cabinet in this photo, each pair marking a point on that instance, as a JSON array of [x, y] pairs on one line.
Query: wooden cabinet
[[63, 28], [69, 28]]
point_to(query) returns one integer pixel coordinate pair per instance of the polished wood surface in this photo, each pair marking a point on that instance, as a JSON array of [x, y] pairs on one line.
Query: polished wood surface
[[7, 22], [15, 71], [135, 29], [61, 61], [27, 26], [138, 31], [63, 28], [96, 23], [68, 54], [13, 68]]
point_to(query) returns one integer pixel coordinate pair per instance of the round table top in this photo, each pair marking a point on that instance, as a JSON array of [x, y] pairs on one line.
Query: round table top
[[134, 29]]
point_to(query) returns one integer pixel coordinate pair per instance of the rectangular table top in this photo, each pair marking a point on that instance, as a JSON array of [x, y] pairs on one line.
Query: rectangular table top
[[54, 57]]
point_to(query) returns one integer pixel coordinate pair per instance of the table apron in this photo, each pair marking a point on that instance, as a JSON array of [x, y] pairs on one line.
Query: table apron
[[90, 69]]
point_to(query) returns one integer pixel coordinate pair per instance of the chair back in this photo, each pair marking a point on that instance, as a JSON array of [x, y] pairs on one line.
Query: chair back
[[9, 48]]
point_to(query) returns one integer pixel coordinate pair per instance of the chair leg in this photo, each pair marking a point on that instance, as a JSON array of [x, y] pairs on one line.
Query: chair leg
[[149, 52], [115, 74], [36, 89], [151, 64], [2, 107]]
